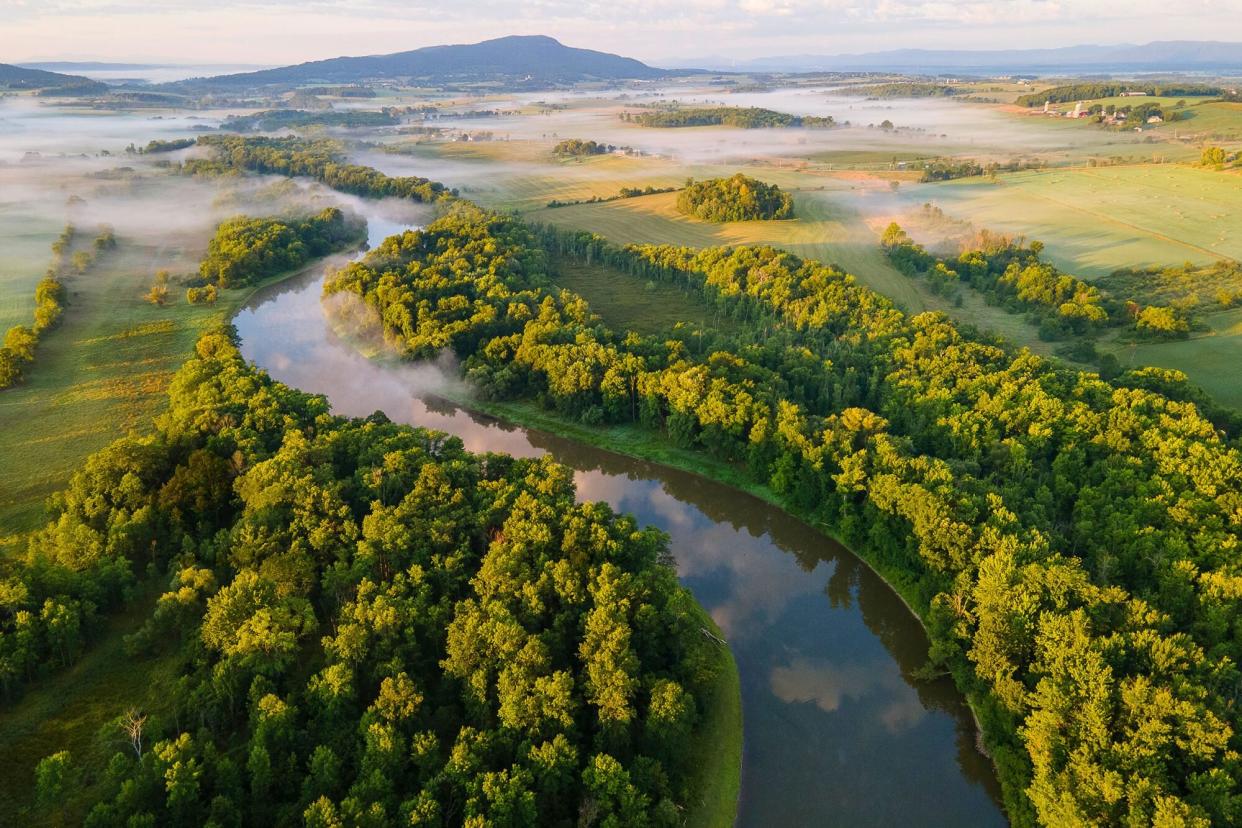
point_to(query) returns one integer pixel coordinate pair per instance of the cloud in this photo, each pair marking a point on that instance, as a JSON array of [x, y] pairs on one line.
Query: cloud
[[284, 31], [829, 685]]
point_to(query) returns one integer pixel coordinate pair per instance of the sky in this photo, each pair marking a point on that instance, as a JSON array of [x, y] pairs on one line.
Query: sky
[[276, 32]]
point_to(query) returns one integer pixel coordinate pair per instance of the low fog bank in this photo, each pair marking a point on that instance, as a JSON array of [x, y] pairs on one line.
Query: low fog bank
[[921, 126], [52, 127]]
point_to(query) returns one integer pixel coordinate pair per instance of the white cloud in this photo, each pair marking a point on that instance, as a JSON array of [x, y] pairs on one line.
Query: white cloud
[[829, 684], [283, 31]]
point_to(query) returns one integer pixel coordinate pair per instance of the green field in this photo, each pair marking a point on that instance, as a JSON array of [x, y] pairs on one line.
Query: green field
[[1219, 120], [625, 303], [1096, 220], [827, 228], [25, 254], [1199, 116], [101, 372], [1211, 359]]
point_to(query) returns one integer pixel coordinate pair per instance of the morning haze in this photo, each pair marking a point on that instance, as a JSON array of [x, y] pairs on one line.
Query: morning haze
[[723, 413]]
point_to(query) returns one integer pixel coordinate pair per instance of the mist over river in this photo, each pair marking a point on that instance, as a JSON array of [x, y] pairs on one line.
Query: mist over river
[[836, 730]]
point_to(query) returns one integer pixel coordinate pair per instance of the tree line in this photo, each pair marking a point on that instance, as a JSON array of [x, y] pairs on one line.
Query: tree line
[[947, 169], [368, 624], [245, 250], [750, 117], [905, 89], [270, 120], [1071, 541], [1069, 93], [1186, 286], [736, 198], [156, 146], [1010, 274], [320, 160], [20, 341]]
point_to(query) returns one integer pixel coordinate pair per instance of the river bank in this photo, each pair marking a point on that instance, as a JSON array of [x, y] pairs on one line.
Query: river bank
[[826, 653]]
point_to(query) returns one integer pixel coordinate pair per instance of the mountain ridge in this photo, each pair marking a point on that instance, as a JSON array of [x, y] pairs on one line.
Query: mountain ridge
[[537, 58], [21, 77]]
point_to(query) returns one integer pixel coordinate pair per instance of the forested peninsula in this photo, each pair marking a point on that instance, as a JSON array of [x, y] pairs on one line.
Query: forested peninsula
[[368, 624], [1066, 539]]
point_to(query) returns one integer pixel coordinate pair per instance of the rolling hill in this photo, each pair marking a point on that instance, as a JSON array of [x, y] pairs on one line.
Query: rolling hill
[[19, 77], [536, 59]]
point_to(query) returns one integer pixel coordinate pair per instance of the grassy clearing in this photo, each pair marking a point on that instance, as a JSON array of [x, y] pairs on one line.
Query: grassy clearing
[[100, 373], [827, 228], [1211, 359], [24, 256], [1096, 220], [626, 303], [717, 755]]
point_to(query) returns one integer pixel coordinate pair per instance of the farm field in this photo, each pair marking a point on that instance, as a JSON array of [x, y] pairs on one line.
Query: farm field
[[827, 228], [1198, 116], [1218, 119], [1096, 220], [523, 175], [1093, 220], [1210, 359], [101, 372]]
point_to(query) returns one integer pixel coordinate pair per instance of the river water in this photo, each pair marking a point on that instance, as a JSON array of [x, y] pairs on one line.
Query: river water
[[836, 730]]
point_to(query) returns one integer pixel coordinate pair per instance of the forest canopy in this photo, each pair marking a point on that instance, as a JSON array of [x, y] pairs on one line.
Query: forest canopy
[[737, 198], [322, 160], [246, 250], [734, 116], [1072, 540], [369, 625]]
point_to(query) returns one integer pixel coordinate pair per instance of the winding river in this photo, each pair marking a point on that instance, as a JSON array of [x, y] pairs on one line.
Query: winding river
[[836, 730]]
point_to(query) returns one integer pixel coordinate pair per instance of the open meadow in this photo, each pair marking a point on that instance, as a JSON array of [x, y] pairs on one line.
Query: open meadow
[[1094, 220], [105, 368], [1211, 358]]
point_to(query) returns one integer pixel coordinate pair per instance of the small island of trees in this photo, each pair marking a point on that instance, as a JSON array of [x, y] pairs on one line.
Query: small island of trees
[[737, 198], [750, 117], [246, 250], [577, 148]]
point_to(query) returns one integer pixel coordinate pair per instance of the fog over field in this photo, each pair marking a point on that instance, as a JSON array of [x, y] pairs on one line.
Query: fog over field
[[929, 126], [945, 521]]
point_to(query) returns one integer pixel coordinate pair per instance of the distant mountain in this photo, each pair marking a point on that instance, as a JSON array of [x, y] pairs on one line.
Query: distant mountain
[[1169, 55], [19, 77], [536, 58]]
